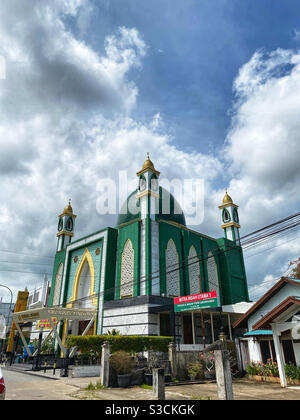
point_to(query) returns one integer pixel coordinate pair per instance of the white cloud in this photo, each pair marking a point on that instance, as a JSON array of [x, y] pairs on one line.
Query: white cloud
[[67, 122], [263, 149]]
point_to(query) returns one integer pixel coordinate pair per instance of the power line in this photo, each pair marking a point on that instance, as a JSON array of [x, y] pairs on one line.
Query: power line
[[257, 238], [28, 255]]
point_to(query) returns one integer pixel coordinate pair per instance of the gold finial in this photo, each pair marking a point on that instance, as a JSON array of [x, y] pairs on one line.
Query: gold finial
[[68, 210], [227, 200], [148, 165]]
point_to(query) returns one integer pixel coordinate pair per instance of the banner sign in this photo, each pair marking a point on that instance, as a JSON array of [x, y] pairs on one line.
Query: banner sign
[[194, 302], [45, 324]]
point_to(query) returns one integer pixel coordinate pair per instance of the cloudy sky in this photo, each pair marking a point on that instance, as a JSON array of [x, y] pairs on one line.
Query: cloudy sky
[[210, 89]]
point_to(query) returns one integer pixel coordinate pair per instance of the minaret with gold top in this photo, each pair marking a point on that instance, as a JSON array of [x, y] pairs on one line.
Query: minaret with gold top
[[148, 196], [230, 219], [148, 189], [66, 224]]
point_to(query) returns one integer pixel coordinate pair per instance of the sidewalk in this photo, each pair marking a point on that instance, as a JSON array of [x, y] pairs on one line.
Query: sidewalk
[[244, 389]]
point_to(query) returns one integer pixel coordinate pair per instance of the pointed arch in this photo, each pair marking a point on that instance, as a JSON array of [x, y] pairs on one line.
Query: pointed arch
[[172, 270], [84, 281], [194, 271], [127, 270], [212, 274], [57, 286]]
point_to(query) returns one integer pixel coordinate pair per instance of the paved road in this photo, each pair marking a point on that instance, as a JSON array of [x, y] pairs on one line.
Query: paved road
[[23, 386]]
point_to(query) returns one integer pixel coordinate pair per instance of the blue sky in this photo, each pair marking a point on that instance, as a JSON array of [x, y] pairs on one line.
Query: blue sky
[[210, 88], [195, 49]]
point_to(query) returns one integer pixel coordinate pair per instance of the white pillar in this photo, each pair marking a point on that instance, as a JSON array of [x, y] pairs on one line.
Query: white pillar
[[104, 370], [223, 375], [279, 355]]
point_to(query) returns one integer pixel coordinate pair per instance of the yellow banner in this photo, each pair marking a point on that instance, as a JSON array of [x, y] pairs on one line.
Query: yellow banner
[[21, 305]]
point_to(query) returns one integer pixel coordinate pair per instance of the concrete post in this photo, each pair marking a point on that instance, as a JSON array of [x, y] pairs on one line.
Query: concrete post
[[223, 375], [159, 384], [239, 356], [104, 371], [222, 338], [279, 355], [172, 360]]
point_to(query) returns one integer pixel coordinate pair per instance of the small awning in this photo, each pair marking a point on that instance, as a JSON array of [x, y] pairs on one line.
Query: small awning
[[59, 313], [258, 332]]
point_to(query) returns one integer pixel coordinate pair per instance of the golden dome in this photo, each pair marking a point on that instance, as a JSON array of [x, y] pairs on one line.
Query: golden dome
[[148, 166], [227, 199], [68, 210]]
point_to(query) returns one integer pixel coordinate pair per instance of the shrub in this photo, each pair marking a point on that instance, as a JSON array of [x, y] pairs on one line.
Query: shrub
[[113, 332], [121, 362], [292, 372], [130, 344], [253, 369], [271, 369], [195, 370]]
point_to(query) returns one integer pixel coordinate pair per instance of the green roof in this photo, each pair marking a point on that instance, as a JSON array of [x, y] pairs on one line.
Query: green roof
[[169, 209]]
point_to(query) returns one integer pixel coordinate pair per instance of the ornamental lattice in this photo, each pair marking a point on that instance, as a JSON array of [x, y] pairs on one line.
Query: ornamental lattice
[[58, 280], [127, 270], [194, 271], [172, 270], [212, 273]]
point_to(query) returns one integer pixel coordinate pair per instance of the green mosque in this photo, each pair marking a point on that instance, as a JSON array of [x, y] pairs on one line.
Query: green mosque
[[130, 274]]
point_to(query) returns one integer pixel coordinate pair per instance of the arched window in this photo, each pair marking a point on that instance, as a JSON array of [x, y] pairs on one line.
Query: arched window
[[84, 286], [57, 286], [127, 270], [172, 270], [84, 283], [212, 273], [69, 225], [194, 271]]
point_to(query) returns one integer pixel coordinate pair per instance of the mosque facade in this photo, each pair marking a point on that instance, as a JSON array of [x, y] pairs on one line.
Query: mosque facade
[[131, 273]]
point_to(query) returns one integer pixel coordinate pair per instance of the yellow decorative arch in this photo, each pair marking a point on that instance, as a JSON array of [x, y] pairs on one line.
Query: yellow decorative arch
[[86, 257]]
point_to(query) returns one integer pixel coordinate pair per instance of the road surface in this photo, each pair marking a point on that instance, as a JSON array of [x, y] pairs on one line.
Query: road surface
[[23, 386]]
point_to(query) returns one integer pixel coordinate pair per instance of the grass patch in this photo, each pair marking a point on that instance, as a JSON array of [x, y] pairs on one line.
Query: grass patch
[[94, 387], [144, 386]]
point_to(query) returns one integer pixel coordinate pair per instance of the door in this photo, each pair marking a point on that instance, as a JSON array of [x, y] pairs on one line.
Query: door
[[165, 325], [265, 351], [187, 330], [288, 351]]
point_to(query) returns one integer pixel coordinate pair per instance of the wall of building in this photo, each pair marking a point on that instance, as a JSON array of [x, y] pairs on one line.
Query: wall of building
[[287, 290], [130, 320]]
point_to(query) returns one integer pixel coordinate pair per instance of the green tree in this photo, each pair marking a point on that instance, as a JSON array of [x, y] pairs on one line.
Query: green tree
[[295, 270]]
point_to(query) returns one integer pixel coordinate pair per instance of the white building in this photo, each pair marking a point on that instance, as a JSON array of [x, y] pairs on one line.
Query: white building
[[38, 299], [273, 323], [6, 310]]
